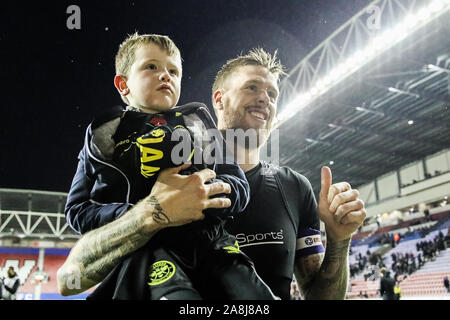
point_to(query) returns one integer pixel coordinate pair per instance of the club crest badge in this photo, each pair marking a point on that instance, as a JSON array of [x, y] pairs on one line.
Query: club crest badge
[[160, 272]]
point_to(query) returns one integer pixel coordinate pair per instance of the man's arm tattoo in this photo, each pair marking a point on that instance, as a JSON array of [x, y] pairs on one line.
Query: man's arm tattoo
[[158, 214], [331, 281], [99, 251], [106, 249]]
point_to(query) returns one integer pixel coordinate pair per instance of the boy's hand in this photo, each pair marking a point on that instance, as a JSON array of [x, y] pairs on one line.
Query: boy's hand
[[178, 199]]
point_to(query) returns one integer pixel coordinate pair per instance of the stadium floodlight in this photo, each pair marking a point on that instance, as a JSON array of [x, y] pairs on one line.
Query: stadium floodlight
[[381, 43]]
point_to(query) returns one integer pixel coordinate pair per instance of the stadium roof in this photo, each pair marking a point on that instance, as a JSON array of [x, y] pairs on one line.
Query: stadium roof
[[33, 214], [392, 111]]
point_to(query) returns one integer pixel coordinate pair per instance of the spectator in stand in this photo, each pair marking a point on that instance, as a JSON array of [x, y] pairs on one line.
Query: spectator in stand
[[373, 259], [354, 269], [419, 259], [10, 285], [429, 249], [394, 258], [380, 261], [361, 264], [433, 250], [393, 243], [387, 285], [363, 295], [440, 241], [413, 266], [446, 284], [427, 215]]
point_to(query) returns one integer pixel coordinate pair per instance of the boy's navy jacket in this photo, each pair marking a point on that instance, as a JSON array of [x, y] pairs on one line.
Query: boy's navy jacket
[[100, 192]]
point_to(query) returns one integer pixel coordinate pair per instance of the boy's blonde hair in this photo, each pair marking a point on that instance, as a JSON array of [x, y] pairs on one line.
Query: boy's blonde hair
[[255, 57], [126, 54]]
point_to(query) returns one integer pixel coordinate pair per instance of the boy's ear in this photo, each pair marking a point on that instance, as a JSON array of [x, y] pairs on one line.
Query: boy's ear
[[120, 82], [217, 99]]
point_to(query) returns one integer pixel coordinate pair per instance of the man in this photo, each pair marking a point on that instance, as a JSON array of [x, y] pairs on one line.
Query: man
[[387, 285], [245, 96], [279, 230], [10, 285], [397, 290], [447, 284]]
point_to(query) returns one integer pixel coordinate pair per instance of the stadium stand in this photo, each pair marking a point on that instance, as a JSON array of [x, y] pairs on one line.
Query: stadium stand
[[33, 225], [419, 259], [429, 279], [25, 262]]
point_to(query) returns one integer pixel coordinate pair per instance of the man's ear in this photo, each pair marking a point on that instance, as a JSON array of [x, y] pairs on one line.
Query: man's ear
[[217, 99], [120, 82]]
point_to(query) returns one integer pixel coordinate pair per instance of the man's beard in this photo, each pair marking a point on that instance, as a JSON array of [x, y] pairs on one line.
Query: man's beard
[[238, 133], [249, 139]]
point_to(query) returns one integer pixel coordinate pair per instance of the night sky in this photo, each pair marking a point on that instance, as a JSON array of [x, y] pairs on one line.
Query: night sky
[[54, 80]]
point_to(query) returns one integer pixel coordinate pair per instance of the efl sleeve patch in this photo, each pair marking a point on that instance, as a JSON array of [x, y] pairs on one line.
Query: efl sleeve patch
[[308, 242]]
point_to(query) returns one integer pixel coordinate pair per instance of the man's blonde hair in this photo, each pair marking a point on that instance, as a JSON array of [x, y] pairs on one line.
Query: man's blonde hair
[[126, 54], [255, 57]]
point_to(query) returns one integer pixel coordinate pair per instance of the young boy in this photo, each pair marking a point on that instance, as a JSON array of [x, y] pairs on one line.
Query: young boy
[[124, 152]]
